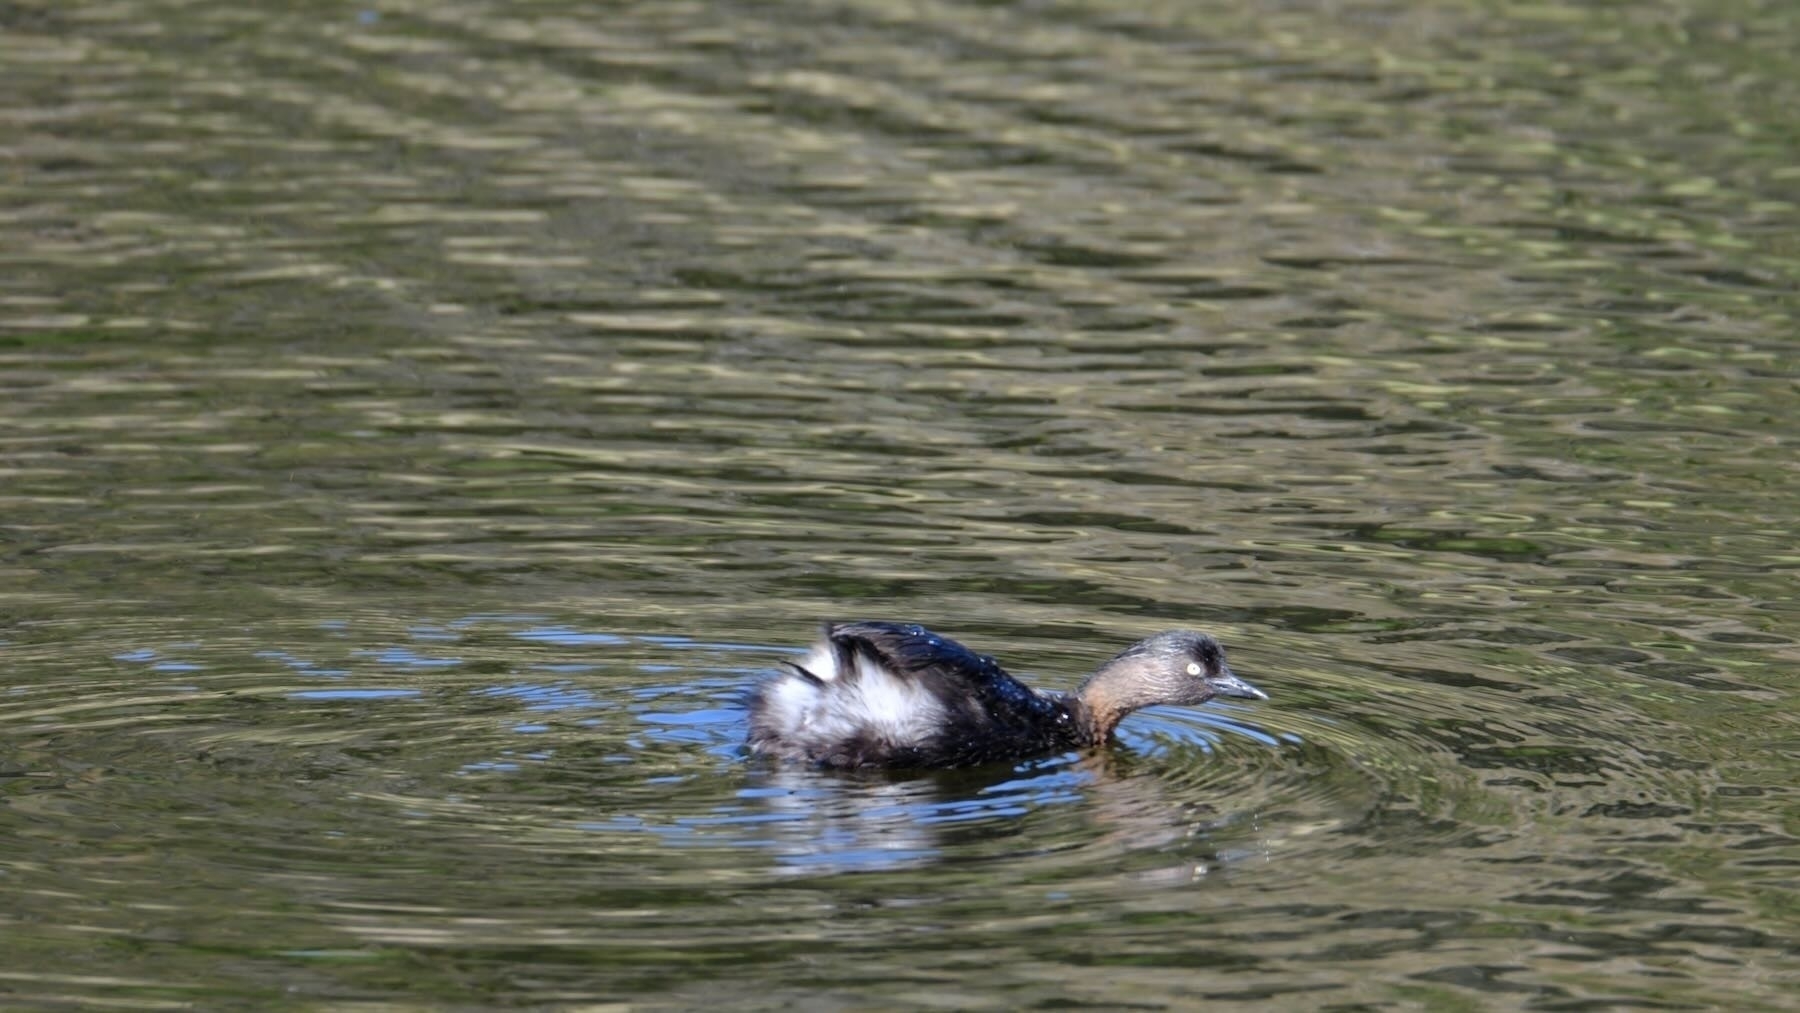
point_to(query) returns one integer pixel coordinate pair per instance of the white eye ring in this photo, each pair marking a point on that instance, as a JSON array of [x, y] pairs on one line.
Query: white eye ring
[[1193, 668]]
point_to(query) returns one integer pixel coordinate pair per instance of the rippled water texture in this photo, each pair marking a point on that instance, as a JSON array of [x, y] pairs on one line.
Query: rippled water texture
[[421, 422]]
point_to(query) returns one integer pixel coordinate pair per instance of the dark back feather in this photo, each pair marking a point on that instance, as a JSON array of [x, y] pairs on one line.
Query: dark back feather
[[992, 714]]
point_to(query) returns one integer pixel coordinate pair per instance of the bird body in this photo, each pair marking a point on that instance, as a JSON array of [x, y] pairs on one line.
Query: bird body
[[881, 694]]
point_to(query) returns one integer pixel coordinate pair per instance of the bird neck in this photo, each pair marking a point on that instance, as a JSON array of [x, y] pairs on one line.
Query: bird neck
[[1114, 690]]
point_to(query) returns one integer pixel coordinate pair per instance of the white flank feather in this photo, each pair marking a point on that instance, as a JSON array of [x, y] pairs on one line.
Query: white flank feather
[[876, 702]]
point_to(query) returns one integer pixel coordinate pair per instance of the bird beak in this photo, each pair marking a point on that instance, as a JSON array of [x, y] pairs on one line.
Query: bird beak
[[1226, 683]]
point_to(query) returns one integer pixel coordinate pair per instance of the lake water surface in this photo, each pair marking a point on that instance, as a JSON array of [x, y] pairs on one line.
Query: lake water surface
[[421, 422]]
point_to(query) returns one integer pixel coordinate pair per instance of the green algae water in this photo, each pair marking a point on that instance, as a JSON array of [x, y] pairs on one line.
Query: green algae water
[[422, 422]]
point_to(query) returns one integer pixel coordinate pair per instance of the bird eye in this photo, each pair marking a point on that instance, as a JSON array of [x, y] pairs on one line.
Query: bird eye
[[1193, 668]]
